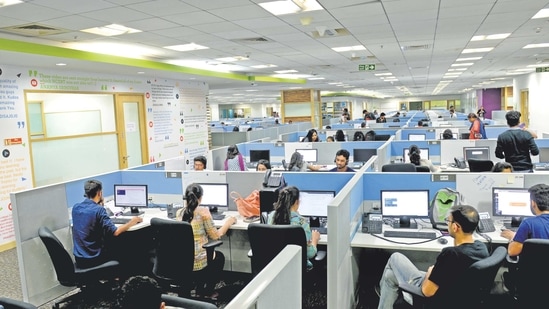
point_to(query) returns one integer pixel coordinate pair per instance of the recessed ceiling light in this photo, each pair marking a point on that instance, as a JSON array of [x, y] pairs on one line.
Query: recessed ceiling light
[[263, 66], [316, 78], [140, 72], [290, 6], [285, 71], [543, 13], [469, 59], [111, 30], [9, 2], [462, 64], [477, 50], [383, 74], [186, 47], [348, 48], [490, 37], [61, 64], [540, 45], [232, 59]]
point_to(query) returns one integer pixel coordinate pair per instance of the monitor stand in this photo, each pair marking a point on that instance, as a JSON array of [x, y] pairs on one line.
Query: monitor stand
[[133, 212], [404, 223]]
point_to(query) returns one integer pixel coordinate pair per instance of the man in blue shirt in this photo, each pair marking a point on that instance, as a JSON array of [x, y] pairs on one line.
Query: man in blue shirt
[[341, 161], [92, 227]]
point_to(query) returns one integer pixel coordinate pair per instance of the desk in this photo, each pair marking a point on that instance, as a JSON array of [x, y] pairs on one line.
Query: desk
[[235, 245], [446, 168]]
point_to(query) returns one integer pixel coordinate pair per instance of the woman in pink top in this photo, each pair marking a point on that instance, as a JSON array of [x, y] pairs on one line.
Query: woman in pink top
[[202, 223]]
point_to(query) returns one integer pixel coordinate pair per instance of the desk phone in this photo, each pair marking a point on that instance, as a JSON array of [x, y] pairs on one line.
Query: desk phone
[[372, 223], [485, 225]]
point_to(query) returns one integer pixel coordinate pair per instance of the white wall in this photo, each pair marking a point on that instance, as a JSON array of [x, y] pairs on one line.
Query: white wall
[[537, 85]]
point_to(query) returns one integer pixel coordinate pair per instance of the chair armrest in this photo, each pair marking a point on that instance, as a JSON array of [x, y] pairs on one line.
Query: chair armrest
[[320, 255], [212, 244], [250, 253], [176, 301], [512, 259], [412, 289]]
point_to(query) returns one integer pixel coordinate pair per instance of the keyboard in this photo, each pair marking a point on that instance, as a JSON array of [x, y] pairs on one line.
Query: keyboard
[[410, 234], [509, 227], [218, 215], [120, 220], [322, 230], [541, 166]]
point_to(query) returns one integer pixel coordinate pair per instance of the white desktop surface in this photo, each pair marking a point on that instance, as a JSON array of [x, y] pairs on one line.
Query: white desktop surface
[[447, 168]]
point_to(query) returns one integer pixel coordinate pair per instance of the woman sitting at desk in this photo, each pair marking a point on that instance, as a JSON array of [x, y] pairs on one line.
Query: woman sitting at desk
[[414, 154], [263, 165], [286, 213], [298, 165], [340, 136], [234, 160], [312, 136], [202, 223]]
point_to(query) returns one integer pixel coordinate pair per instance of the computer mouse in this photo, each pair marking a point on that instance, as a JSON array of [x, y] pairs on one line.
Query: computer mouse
[[443, 240]]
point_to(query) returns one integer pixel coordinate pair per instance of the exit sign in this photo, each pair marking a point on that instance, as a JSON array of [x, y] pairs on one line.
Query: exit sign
[[366, 67], [543, 69]]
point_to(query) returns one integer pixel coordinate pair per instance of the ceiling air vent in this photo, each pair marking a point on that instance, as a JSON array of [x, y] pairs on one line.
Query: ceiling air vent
[[415, 47], [33, 30], [251, 40], [329, 33]]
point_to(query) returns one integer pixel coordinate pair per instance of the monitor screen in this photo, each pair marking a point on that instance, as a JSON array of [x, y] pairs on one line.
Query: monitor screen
[[424, 154], [416, 137], [301, 138], [363, 155], [133, 196], [309, 155], [511, 202], [409, 203], [256, 155], [544, 155], [315, 203], [215, 194], [357, 125], [479, 153]]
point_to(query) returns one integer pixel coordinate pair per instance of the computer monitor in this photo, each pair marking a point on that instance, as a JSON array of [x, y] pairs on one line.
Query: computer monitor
[[309, 155], [479, 153], [215, 195], [544, 155], [133, 196], [256, 155], [315, 203], [454, 135], [511, 202], [363, 155], [405, 204], [416, 137], [302, 137], [357, 125], [424, 154]]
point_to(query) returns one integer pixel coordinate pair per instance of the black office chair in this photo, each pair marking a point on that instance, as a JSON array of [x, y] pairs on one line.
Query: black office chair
[[174, 255], [70, 275], [284, 165], [422, 169], [9, 303], [523, 270], [186, 303], [267, 240], [399, 167], [471, 290], [476, 165]]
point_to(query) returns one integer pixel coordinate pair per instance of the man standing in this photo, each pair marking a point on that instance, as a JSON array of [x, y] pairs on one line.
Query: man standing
[[450, 263], [516, 144], [92, 227], [341, 161]]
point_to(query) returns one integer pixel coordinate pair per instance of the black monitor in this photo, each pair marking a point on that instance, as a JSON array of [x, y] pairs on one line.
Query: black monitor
[[416, 137], [479, 153], [544, 155], [315, 203], [256, 155], [215, 196], [464, 136], [382, 137], [363, 155], [133, 196], [511, 202], [309, 155], [423, 154], [405, 204]]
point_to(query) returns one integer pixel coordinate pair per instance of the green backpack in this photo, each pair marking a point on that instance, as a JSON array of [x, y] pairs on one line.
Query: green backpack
[[444, 199]]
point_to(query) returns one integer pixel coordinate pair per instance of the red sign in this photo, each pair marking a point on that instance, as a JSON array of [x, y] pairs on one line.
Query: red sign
[[13, 141], [34, 82]]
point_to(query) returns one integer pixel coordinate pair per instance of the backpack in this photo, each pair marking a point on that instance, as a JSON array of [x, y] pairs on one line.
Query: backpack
[[444, 199], [482, 130]]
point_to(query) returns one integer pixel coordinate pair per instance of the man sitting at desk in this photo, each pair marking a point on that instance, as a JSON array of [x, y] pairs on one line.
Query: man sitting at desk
[[341, 161], [92, 226], [450, 264], [200, 163], [531, 227]]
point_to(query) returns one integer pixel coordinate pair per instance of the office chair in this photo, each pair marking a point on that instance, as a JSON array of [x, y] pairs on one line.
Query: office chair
[[399, 167], [267, 240], [524, 269], [9, 303], [70, 275], [471, 288], [174, 255], [284, 165], [476, 165], [422, 169], [186, 303]]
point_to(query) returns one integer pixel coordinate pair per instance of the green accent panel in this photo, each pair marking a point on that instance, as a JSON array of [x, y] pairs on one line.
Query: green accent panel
[[47, 50]]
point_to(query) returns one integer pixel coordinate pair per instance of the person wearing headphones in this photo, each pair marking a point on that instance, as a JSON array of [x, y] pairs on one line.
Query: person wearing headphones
[[341, 161], [92, 227]]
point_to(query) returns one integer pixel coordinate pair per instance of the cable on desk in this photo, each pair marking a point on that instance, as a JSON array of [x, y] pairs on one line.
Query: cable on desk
[[406, 243]]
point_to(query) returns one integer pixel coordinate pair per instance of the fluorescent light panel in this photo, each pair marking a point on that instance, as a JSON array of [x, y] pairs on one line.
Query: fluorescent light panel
[[348, 48], [111, 30], [543, 13], [186, 47], [499, 36], [477, 50], [540, 45]]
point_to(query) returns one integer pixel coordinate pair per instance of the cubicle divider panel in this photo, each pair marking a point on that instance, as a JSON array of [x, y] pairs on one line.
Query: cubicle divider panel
[[157, 166], [44, 206], [495, 131], [218, 158], [75, 189], [179, 164], [228, 138], [331, 181], [289, 148], [476, 188], [276, 151], [397, 149], [383, 156], [164, 187], [492, 143], [244, 183], [450, 149], [375, 182]]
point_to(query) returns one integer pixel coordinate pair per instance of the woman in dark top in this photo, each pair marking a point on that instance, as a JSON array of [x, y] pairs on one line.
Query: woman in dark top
[[312, 136], [340, 136]]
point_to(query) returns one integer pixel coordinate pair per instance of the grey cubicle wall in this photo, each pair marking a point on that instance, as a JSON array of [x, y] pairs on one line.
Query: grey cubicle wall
[[276, 285]]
